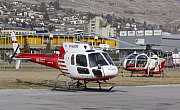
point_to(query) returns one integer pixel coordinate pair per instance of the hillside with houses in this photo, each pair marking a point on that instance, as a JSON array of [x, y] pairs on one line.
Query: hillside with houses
[[161, 12], [55, 16]]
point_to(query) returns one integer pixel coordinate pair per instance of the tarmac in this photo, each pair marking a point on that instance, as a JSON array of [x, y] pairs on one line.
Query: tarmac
[[158, 97]]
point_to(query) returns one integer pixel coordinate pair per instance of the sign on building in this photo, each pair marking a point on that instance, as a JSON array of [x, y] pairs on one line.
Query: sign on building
[[123, 33], [140, 33], [140, 41], [131, 33], [148, 32], [157, 32]]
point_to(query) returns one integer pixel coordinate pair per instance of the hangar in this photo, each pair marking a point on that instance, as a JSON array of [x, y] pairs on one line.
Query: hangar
[[170, 42], [139, 38]]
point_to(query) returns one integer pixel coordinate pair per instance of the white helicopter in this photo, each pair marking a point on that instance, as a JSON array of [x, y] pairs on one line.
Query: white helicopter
[[146, 63], [74, 60]]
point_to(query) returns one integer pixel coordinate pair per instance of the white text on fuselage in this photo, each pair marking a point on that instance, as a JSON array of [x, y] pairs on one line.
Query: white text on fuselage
[[111, 69], [73, 46], [40, 60]]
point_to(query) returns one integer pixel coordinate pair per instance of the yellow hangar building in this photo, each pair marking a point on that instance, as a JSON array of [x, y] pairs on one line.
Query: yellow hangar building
[[39, 40]]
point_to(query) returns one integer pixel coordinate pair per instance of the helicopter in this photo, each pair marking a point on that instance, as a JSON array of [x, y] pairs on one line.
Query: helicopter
[[146, 63], [74, 60]]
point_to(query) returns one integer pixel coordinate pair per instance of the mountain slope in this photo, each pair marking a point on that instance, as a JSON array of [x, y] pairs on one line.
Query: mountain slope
[[152, 11]]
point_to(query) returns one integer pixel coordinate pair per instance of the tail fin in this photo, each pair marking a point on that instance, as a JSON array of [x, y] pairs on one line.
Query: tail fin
[[16, 50], [15, 44]]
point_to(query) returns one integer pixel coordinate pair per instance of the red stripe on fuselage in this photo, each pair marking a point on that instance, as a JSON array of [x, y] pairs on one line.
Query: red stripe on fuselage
[[61, 61], [65, 73], [14, 41], [62, 65], [63, 69], [95, 79]]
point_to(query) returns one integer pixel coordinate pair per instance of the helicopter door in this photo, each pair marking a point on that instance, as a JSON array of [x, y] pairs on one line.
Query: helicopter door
[[72, 64], [154, 64], [97, 63], [81, 63]]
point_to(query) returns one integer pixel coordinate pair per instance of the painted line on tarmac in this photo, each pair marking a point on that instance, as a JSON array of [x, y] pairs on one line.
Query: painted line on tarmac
[[168, 85]]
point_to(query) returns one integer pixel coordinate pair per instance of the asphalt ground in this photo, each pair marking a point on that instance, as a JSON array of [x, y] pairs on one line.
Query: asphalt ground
[[157, 97]]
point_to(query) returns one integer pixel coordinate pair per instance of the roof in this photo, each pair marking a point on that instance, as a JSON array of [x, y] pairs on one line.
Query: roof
[[171, 41]]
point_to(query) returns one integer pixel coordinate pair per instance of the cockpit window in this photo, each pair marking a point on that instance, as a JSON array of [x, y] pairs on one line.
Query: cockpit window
[[133, 56], [141, 61], [142, 57], [131, 60], [72, 59], [95, 59], [81, 60], [108, 58]]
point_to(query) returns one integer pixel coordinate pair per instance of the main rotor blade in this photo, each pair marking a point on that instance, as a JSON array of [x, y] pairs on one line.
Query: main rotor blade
[[119, 41]]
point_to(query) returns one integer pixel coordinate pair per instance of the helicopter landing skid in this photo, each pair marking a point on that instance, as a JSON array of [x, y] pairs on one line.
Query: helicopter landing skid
[[93, 89], [78, 86], [100, 88]]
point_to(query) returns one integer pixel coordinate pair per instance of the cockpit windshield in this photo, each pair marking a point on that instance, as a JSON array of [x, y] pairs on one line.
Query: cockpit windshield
[[138, 61], [108, 58], [95, 59], [141, 61]]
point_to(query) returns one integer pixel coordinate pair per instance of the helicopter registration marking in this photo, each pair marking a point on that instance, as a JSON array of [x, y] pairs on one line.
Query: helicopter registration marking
[[41, 60], [73, 46], [111, 69]]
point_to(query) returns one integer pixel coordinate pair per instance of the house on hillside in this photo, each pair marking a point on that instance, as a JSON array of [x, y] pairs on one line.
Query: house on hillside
[[99, 26]]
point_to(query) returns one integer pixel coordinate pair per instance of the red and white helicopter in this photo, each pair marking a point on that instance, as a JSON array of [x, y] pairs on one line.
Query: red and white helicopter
[[74, 60], [146, 63]]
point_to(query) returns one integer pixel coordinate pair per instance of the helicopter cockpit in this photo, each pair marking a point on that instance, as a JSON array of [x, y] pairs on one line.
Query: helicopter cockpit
[[87, 63], [96, 59], [96, 63], [136, 61]]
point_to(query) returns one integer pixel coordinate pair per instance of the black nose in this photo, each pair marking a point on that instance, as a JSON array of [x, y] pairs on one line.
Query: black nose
[[97, 73]]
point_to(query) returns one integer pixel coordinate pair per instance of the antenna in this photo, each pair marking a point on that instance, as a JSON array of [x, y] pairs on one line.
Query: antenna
[[119, 41]]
